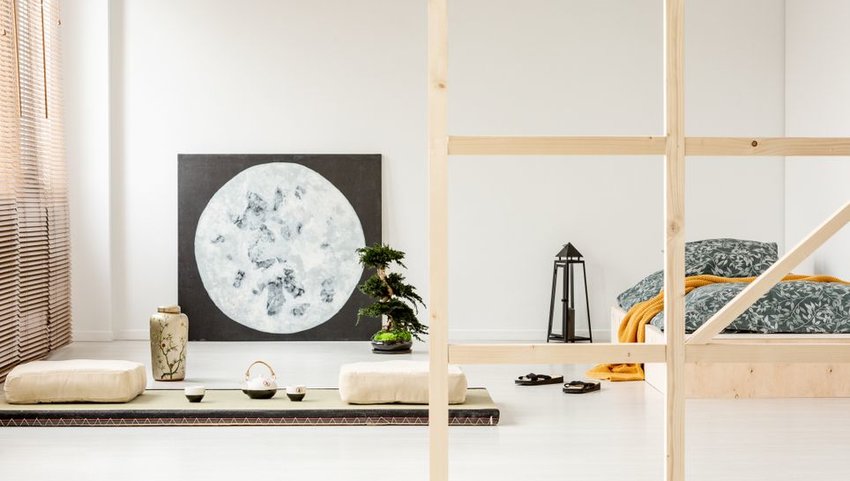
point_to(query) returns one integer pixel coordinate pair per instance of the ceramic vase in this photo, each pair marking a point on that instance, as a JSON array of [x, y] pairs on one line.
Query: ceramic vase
[[169, 338]]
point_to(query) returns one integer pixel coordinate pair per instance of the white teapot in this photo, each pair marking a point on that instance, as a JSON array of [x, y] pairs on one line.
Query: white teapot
[[260, 386]]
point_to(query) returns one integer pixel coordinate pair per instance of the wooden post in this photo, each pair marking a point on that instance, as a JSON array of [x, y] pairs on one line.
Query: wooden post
[[438, 396], [674, 252]]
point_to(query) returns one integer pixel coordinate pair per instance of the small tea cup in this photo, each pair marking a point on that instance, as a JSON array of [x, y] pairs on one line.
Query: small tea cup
[[296, 393], [194, 393]]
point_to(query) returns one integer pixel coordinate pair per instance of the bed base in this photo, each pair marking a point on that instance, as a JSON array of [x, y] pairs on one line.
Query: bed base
[[752, 380]]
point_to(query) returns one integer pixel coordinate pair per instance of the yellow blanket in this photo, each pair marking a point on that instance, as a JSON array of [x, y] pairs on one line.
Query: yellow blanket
[[633, 326]]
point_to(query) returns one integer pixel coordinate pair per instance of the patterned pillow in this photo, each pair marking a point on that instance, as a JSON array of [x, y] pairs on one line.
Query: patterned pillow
[[646, 289], [729, 257], [717, 257]]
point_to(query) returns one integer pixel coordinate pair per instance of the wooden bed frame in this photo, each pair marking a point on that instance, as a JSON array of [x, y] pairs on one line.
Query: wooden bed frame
[[752, 379], [674, 146]]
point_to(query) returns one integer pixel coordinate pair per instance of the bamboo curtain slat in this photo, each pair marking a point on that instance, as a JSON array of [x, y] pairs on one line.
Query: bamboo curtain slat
[[35, 314]]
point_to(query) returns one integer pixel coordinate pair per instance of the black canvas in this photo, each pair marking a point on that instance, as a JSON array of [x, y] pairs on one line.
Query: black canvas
[[200, 176]]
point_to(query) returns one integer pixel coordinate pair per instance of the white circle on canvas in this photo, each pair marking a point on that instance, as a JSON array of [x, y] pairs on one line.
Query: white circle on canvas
[[276, 248]]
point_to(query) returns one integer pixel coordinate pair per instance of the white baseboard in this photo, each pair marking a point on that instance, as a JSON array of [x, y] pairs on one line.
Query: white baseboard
[[528, 335], [92, 335], [132, 335]]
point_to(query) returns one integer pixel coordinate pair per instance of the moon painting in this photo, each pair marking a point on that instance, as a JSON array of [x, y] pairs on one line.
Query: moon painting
[[274, 244], [276, 248]]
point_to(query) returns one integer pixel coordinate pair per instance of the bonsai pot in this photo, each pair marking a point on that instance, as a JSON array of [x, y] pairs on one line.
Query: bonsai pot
[[391, 347]]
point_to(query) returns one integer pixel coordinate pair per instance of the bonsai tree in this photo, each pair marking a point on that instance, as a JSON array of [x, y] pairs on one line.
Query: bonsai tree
[[394, 298]]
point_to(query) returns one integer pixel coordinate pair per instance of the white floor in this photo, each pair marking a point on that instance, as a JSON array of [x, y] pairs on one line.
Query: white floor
[[615, 434]]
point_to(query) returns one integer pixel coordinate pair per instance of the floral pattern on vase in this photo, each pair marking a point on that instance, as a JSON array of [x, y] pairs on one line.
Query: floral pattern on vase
[[169, 334]]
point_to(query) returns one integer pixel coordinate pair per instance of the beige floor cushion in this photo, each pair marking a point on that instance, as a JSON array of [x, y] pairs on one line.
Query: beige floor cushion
[[78, 380], [394, 382]]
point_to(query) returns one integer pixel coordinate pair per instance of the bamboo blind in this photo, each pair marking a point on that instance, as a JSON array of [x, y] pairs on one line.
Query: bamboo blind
[[35, 314]]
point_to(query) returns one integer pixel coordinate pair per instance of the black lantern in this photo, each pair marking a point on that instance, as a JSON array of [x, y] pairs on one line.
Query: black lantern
[[565, 261]]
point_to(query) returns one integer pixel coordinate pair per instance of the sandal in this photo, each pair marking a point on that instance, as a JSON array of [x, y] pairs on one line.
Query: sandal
[[581, 387], [532, 379]]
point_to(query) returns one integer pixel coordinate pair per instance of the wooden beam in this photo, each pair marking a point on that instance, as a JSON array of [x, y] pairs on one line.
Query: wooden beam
[[674, 252], [555, 353], [770, 277], [768, 146], [438, 241], [556, 145], [729, 352]]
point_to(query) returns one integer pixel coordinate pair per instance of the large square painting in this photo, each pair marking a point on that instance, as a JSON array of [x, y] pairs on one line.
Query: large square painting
[[267, 245]]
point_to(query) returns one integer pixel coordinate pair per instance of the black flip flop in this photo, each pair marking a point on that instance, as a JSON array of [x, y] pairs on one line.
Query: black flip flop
[[532, 379], [581, 387]]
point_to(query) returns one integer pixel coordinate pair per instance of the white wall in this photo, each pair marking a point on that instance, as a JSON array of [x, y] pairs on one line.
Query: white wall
[[86, 85], [337, 76], [199, 76], [734, 86], [818, 104]]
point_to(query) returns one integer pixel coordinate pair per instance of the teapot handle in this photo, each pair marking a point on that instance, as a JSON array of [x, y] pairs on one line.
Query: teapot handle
[[248, 372]]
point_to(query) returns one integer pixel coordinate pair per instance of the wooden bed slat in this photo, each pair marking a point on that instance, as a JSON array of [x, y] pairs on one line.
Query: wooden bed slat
[[555, 353], [732, 352], [493, 145], [767, 146], [648, 145]]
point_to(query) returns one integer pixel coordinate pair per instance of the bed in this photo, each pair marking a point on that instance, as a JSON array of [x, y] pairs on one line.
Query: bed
[[822, 315]]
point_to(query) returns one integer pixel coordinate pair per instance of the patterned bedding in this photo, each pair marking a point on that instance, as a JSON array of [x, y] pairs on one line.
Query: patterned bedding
[[799, 307], [716, 257], [791, 307]]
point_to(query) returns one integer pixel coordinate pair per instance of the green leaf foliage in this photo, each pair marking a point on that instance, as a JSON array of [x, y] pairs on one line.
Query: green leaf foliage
[[394, 298], [403, 290], [375, 287], [380, 256]]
